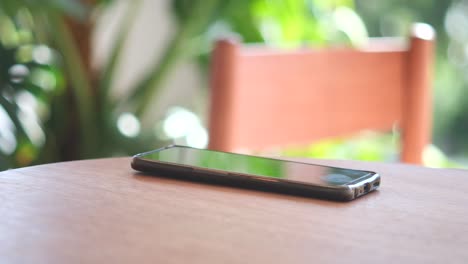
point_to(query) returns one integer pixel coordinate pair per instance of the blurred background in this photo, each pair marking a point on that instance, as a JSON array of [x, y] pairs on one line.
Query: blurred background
[[99, 78]]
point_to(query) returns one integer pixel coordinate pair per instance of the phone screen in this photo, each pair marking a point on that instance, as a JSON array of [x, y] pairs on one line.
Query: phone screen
[[258, 166]]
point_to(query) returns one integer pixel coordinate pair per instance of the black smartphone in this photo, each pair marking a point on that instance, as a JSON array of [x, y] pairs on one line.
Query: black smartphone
[[257, 172]]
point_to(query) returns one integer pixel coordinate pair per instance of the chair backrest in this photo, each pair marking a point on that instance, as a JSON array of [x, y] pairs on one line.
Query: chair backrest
[[263, 97]]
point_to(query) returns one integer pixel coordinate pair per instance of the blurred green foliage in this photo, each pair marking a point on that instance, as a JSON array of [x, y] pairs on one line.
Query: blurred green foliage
[[368, 146], [50, 109], [450, 20], [30, 79], [53, 107]]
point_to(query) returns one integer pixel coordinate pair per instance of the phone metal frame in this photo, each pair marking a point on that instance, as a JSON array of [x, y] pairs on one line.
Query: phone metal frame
[[347, 192]]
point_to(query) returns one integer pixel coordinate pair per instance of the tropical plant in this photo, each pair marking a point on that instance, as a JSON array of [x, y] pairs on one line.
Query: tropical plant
[[54, 107]]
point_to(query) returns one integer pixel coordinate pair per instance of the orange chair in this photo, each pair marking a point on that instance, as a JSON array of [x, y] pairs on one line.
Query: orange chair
[[263, 97]]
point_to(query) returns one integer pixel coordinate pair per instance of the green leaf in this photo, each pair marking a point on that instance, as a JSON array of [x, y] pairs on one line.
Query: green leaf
[[116, 53], [74, 8], [201, 14], [80, 82], [11, 109]]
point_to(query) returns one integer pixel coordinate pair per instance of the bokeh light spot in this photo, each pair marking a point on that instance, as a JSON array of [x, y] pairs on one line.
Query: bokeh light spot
[[128, 125], [18, 73], [42, 54]]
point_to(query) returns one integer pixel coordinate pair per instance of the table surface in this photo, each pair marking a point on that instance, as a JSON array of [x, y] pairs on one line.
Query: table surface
[[101, 211]]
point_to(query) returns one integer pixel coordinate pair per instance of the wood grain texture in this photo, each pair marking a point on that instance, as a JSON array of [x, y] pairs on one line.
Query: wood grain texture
[[101, 211]]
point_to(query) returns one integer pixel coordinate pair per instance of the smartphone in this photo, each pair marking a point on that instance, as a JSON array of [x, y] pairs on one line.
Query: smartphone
[[257, 172]]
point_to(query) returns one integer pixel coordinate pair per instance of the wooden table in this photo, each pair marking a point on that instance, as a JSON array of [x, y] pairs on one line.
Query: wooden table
[[101, 211]]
